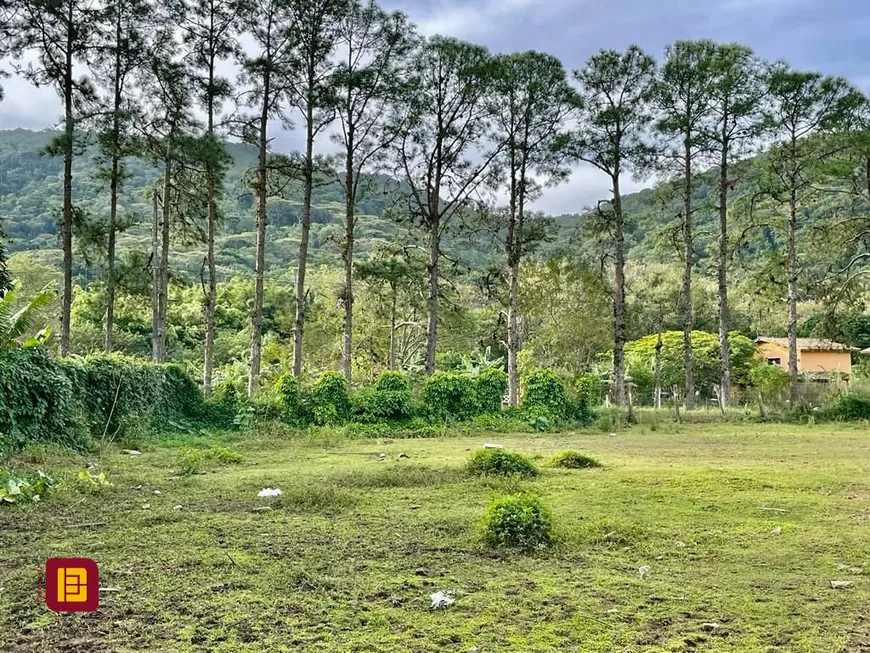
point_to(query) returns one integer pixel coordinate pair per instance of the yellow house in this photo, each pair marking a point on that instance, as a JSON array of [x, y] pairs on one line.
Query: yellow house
[[816, 358]]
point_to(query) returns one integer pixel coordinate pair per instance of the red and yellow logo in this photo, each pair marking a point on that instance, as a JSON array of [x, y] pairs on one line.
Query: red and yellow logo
[[72, 585]]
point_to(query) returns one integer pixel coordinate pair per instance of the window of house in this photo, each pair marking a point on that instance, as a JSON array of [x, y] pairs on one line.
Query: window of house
[[774, 361]]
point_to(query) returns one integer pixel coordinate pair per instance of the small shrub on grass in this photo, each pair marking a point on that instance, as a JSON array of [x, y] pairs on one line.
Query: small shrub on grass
[[573, 460], [287, 388], [491, 385], [91, 482], [225, 455], [518, 521], [330, 403], [448, 395], [543, 389], [498, 462], [193, 461], [315, 498], [21, 490]]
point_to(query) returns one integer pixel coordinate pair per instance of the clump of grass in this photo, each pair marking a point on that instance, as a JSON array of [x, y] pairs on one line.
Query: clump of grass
[[396, 476], [498, 462], [315, 498], [573, 460], [519, 521], [193, 461]]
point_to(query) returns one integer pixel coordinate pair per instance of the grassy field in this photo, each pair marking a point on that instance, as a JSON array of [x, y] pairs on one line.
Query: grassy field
[[743, 528]]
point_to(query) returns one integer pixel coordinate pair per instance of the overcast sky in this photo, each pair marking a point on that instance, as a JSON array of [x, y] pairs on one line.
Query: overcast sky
[[832, 36]]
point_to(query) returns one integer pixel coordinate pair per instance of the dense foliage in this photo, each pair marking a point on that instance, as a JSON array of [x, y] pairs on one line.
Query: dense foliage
[[498, 462], [518, 521], [110, 397]]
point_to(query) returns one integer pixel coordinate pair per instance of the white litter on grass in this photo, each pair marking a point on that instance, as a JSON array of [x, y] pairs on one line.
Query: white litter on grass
[[644, 571], [132, 452], [492, 445], [270, 492], [178, 507], [441, 599]]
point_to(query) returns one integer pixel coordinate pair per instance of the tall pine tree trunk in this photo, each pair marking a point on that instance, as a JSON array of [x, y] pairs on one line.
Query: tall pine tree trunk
[[301, 295], [722, 270], [791, 266], [110, 253], [163, 290], [513, 336], [619, 295], [432, 298], [347, 255], [394, 296], [688, 320], [113, 186], [657, 380], [155, 275], [260, 255], [211, 183], [513, 270], [67, 218]]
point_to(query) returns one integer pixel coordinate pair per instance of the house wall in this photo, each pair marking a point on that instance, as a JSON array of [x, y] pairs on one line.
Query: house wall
[[768, 350], [825, 361], [809, 360]]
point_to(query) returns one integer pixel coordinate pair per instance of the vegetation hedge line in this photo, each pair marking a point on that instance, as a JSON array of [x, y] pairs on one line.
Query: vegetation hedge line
[[65, 402]]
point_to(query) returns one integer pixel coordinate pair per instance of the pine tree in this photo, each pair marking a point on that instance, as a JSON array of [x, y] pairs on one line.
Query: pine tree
[[374, 47], [210, 32], [131, 32], [530, 101], [683, 96], [441, 152], [615, 94], [270, 23], [315, 36], [59, 34]]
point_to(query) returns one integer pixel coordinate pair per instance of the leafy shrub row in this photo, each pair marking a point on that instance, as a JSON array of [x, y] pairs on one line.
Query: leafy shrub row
[[66, 402]]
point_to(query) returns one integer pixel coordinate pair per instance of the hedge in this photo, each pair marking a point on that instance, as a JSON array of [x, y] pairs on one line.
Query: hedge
[[64, 402]]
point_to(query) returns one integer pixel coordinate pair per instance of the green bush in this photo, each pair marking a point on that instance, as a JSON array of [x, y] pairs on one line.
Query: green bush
[[38, 402], [498, 462], [115, 388], [329, 400], [491, 385], [193, 461], [517, 521], [573, 460], [590, 391], [448, 395], [287, 387], [392, 381], [543, 389], [850, 408], [63, 402], [373, 405]]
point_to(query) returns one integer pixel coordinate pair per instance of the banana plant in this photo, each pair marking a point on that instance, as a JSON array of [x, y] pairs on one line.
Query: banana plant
[[16, 325]]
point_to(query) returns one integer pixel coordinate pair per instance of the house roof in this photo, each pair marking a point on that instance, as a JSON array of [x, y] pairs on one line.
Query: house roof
[[807, 344], [866, 351]]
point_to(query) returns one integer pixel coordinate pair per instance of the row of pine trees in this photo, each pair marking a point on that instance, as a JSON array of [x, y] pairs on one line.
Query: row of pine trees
[[468, 136]]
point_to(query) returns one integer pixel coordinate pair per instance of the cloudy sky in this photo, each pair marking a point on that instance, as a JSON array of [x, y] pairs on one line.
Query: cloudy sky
[[832, 36]]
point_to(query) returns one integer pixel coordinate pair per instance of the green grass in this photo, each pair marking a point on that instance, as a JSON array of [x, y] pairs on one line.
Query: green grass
[[344, 563]]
